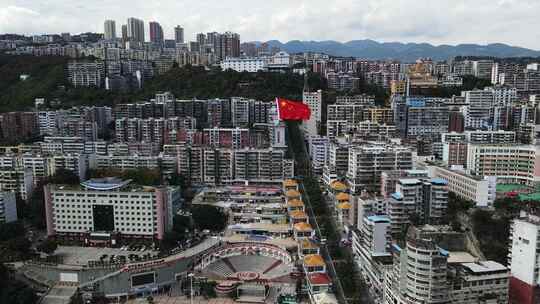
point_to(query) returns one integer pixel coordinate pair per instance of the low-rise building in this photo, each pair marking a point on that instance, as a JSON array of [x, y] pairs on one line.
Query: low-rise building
[[479, 189]]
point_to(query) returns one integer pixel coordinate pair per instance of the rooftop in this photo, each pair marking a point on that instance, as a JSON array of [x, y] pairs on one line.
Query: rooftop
[[297, 214], [292, 193], [439, 181], [342, 197], [105, 184], [290, 183], [409, 181], [319, 279], [344, 205], [337, 185], [303, 226], [295, 203], [461, 257], [397, 195], [484, 266], [313, 260], [378, 219]]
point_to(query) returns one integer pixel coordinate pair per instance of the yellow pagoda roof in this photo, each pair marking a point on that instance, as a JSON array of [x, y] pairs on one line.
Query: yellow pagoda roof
[[308, 244], [295, 203], [298, 214], [342, 196], [290, 183], [292, 193], [302, 226], [344, 205], [338, 186], [313, 260]]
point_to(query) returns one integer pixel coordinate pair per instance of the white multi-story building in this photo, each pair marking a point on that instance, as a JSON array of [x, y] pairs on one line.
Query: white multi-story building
[[368, 161], [314, 101], [524, 259], [482, 68], [37, 164], [20, 181], [86, 73], [371, 246], [427, 198], [478, 189], [338, 157], [76, 163], [480, 282], [509, 163], [124, 162], [49, 122], [490, 137], [478, 112], [418, 275], [109, 205], [251, 65], [8, 207], [318, 151], [240, 111]]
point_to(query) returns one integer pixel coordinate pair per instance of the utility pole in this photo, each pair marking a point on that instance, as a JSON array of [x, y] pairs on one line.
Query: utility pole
[[190, 275]]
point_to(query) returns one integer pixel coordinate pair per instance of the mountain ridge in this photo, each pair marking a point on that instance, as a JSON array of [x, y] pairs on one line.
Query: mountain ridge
[[371, 49]]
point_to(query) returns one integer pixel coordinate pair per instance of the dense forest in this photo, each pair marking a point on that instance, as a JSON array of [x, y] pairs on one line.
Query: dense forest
[[48, 79], [46, 75]]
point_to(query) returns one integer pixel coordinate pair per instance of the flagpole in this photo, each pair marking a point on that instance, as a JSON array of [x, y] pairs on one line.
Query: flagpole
[[277, 107]]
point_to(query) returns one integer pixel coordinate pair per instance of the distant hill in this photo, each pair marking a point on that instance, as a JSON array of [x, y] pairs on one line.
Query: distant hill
[[370, 49]]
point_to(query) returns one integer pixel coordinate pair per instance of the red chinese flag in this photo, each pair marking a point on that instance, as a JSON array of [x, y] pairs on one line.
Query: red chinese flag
[[292, 110]]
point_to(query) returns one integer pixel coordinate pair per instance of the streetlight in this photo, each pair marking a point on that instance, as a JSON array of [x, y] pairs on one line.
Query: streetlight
[[190, 275]]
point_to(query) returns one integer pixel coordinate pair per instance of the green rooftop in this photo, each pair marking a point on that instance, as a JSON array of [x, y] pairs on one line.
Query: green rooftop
[[510, 187]]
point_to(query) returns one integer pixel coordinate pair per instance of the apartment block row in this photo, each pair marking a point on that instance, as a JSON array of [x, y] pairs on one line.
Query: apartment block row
[[234, 112]]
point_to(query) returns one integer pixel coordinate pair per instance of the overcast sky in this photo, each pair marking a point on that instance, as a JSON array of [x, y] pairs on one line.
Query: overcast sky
[[515, 22]]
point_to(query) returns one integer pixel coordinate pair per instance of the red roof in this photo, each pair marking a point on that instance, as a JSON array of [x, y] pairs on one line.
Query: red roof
[[319, 279]]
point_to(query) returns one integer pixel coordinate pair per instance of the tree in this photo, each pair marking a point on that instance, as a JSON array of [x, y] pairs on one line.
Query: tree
[[209, 217], [64, 177], [493, 231], [14, 291], [9, 231], [169, 241], [142, 176], [181, 223], [48, 246]]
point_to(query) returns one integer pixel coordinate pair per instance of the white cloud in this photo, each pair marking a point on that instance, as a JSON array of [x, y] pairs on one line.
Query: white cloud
[[433, 21]]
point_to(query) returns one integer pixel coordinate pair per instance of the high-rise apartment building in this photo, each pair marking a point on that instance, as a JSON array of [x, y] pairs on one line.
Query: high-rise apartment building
[[318, 151], [229, 45], [478, 111], [419, 273], [421, 116], [124, 32], [110, 29], [156, 33], [314, 101], [179, 34], [426, 198], [135, 30], [368, 161]]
